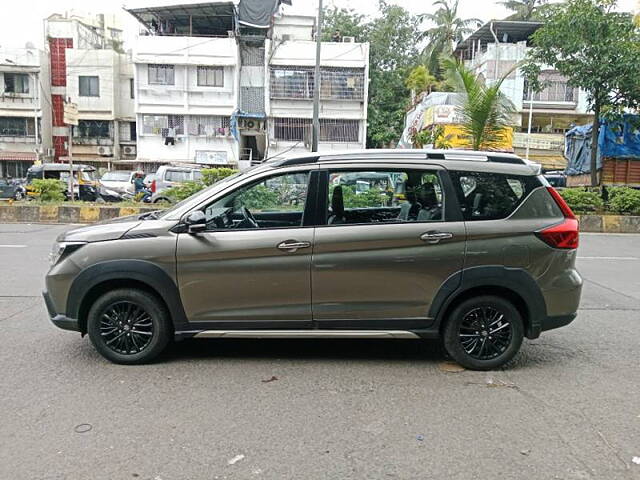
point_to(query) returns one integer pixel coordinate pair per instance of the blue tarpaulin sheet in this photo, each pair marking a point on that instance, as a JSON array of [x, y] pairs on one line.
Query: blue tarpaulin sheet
[[617, 139]]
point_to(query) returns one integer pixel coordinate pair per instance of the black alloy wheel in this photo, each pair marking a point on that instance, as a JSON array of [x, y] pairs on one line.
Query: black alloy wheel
[[484, 332], [126, 328], [129, 326]]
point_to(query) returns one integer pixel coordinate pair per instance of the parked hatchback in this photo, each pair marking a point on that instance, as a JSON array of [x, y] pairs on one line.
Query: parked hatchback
[[478, 250]]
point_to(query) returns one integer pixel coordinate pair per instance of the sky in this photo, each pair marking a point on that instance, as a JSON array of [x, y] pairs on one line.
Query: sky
[[23, 21]]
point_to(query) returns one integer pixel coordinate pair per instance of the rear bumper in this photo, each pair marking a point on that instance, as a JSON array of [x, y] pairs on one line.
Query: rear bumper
[[60, 320], [551, 323]]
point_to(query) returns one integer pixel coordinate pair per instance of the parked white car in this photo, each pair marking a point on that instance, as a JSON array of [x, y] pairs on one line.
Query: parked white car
[[169, 176], [120, 181]]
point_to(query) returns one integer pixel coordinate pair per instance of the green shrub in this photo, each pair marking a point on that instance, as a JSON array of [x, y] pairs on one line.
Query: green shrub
[[581, 201], [260, 197], [213, 175], [49, 189], [624, 200], [182, 191], [209, 177]]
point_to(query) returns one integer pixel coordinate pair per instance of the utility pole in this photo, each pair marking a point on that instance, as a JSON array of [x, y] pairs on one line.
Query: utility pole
[[316, 84], [530, 120]]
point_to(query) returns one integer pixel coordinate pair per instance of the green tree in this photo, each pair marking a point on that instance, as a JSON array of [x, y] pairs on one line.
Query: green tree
[[597, 49], [485, 111], [447, 30], [525, 10], [344, 20], [420, 80], [393, 54]]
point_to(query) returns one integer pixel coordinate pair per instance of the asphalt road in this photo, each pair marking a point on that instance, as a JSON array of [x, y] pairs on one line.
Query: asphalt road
[[568, 408]]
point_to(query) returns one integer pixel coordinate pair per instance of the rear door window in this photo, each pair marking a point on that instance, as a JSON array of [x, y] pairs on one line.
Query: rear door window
[[176, 176], [379, 196], [491, 196]]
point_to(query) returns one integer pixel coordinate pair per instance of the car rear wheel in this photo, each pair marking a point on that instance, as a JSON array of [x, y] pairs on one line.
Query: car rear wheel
[[483, 333], [129, 326]]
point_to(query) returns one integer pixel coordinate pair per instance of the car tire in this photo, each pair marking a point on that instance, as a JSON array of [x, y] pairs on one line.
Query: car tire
[[129, 326], [483, 333], [18, 196]]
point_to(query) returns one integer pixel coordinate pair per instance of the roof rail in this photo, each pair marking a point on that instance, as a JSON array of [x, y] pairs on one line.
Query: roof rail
[[400, 154]]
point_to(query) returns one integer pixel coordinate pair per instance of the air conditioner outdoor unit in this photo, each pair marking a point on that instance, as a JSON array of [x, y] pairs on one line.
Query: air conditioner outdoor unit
[[129, 150], [251, 124], [348, 39], [105, 151]]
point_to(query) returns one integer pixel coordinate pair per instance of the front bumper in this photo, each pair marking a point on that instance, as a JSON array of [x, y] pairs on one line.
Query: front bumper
[[60, 320], [551, 323]]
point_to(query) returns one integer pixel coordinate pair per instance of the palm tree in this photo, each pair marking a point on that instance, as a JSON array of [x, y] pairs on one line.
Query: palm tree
[[485, 111], [524, 10], [447, 30]]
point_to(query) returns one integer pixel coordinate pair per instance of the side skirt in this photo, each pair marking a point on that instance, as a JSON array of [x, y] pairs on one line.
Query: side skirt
[[298, 334]]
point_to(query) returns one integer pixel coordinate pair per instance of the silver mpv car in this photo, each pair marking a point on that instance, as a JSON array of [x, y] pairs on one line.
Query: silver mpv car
[[473, 248]]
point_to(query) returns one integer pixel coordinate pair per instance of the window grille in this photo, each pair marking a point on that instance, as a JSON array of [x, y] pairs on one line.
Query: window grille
[[89, 86], [335, 83], [331, 130], [127, 131], [251, 56], [92, 129], [192, 125], [252, 99], [339, 130], [292, 129], [556, 89], [210, 76], [161, 75], [17, 127], [16, 83]]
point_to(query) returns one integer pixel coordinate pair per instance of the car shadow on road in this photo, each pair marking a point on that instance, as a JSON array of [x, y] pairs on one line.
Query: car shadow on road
[[315, 349]]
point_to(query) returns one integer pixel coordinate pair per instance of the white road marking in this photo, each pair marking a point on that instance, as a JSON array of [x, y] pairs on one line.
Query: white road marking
[[608, 258], [13, 246]]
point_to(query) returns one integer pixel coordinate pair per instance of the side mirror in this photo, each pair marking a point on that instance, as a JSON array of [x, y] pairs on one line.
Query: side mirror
[[196, 222]]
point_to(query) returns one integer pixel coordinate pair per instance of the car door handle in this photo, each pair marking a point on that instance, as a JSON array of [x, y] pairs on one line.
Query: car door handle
[[293, 245], [435, 237]]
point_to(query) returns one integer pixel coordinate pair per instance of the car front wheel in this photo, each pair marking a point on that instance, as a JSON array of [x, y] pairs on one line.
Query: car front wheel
[[483, 333], [129, 326]]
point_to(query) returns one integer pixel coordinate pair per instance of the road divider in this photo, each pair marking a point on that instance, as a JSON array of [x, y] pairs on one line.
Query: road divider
[[66, 213]]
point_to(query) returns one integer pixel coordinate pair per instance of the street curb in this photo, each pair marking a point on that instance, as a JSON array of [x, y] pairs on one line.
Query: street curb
[[91, 214], [65, 213]]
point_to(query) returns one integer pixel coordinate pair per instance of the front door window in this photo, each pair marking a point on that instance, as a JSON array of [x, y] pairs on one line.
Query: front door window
[[275, 202]]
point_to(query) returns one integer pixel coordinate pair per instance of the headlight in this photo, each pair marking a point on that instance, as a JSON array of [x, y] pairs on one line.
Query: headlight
[[61, 249]]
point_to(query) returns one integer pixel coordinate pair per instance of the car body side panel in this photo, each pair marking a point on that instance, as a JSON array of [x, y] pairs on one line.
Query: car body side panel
[[381, 272], [242, 276]]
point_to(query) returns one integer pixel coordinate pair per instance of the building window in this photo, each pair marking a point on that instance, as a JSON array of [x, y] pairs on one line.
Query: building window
[[342, 84], [163, 125], [292, 129], [132, 88], [92, 129], [17, 127], [208, 126], [556, 89], [89, 86], [291, 82], [347, 131], [210, 76], [162, 75], [127, 131], [16, 83], [331, 130], [335, 83]]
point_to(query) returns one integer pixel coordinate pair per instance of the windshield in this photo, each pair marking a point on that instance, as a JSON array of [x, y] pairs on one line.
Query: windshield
[[116, 176], [204, 193]]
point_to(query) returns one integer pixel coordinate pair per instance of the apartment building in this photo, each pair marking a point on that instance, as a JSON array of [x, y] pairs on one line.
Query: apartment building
[[25, 110], [497, 48], [216, 84], [89, 69]]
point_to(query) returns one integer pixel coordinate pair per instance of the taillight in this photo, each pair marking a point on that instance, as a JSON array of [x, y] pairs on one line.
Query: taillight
[[153, 187], [566, 234]]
